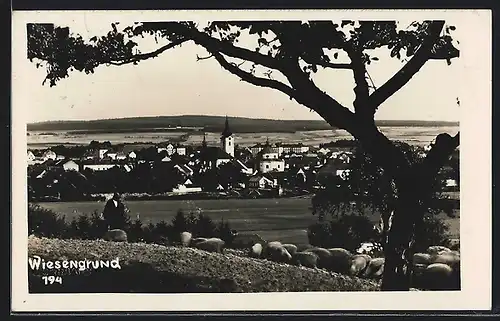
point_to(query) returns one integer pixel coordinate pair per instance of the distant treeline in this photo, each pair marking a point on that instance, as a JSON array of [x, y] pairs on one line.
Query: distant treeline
[[206, 123]]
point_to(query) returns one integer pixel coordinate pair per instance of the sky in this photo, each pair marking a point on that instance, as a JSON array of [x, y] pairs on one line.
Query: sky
[[176, 84]]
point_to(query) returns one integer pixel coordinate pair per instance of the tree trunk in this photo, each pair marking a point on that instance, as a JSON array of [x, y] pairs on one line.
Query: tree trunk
[[400, 238], [399, 226]]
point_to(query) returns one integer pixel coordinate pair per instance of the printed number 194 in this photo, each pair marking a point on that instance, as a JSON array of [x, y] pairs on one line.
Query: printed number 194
[[47, 280]]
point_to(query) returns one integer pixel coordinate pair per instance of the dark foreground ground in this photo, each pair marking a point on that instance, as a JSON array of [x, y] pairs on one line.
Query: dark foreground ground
[[149, 268]]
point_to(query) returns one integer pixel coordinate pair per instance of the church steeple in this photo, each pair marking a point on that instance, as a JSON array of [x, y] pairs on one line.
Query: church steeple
[[204, 143], [226, 132], [226, 139]]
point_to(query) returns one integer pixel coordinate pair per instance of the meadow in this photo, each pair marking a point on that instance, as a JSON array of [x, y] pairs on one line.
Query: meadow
[[284, 219]]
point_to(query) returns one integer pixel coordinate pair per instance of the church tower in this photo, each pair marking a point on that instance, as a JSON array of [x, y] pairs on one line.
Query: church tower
[[226, 139]]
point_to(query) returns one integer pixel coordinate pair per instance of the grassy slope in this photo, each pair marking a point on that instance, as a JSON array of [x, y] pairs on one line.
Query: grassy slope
[[210, 123], [149, 268]]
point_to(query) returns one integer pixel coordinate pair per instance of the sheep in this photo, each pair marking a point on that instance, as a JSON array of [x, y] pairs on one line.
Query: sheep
[[324, 257], [359, 263], [306, 259], [437, 249], [421, 258], [246, 240], [449, 258], [438, 276], [274, 251], [211, 245], [291, 248], [303, 247], [418, 269], [375, 268], [115, 235], [255, 251], [340, 261], [186, 238], [197, 240]]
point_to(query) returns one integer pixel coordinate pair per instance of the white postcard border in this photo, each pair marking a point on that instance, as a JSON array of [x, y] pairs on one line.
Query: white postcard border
[[475, 162]]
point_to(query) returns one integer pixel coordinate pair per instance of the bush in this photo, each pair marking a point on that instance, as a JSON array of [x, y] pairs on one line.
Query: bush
[[204, 227], [135, 231], [225, 233], [45, 223], [432, 231], [348, 232]]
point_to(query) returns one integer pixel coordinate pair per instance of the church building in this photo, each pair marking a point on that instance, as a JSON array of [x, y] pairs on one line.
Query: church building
[[212, 157], [226, 140]]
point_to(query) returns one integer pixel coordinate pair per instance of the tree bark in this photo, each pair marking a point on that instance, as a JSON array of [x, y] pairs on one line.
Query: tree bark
[[400, 237], [399, 225]]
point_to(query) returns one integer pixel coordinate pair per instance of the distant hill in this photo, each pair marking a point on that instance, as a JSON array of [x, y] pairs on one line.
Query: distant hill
[[204, 123]]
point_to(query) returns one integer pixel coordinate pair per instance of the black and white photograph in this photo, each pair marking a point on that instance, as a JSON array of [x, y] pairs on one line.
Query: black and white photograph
[[252, 160]]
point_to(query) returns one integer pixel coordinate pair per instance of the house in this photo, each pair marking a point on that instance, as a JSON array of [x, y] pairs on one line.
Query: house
[[110, 154], [186, 187], [184, 169], [166, 159], [34, 159], [268, 160], [98, 166], [48, 154], [278, 178], [31, 156], [271, 165], [335, 168], [268, 153], [451, 183], [132, 155], [181, 150], [120, 156], [301, 174], [66, 165], [324, 151], [260, 182], [102, 152], [212, 157], [255, 149], [90, 154], [171, 149], [243, 168]]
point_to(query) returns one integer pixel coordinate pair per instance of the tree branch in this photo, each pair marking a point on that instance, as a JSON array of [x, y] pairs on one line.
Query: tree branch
[[331, 65], [308, 94], [361, 90], [248, 77], [198, 58], [229, 49], [440, 152], [139, 57], [404, 75]]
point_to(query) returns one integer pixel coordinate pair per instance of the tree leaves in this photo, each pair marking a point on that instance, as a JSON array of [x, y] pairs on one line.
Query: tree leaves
[[368, 188], [62, 51]]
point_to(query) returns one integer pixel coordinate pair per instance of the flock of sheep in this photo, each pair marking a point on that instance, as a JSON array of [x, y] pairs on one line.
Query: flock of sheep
[[437, 269]]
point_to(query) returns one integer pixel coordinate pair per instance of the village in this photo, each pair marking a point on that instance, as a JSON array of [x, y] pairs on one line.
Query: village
[[269, 169]]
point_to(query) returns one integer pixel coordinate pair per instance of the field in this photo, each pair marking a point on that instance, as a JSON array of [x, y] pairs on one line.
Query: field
[[284, 219], [151, 268]]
